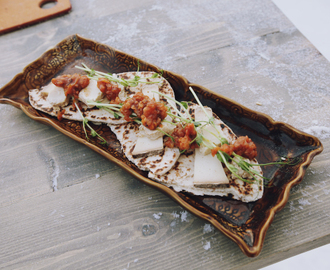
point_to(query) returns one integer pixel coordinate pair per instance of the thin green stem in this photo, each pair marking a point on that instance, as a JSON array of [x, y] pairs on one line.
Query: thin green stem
[[98, 74], [85, 123], [174, 107]]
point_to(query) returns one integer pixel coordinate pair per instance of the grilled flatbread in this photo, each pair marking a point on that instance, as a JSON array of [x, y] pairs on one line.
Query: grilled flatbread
[[127, 134], [177, 171], [38, 99], [181, 178], [165, 165]]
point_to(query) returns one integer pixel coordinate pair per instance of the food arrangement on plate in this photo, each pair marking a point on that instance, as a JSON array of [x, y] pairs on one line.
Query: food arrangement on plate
[[188, 149], [182, 145]]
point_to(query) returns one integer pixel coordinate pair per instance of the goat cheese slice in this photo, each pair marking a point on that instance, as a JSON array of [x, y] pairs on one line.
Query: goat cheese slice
[[91, 93], [208, 171], [147, 147], [209, 132], [153, 144], [55, 95]]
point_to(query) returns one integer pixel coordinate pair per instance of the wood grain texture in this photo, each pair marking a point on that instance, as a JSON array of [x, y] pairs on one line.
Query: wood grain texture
[[100, 217]]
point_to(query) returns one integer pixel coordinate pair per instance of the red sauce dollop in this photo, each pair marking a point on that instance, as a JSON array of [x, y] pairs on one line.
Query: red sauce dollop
[[183, 137], [151, 112], [110, 90], [72, 84], [243, 146]]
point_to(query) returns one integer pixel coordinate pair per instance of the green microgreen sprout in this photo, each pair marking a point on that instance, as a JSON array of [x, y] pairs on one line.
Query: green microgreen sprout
[[112, 108], [239, 160], [185, 116], [165, 133], [85, 123], [95, 75], [198, 139]]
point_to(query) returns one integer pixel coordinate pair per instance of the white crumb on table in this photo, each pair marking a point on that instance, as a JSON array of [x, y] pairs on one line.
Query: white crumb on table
[[175, 215], [184, 216], [208, 228], [157, 216], [207, 245]]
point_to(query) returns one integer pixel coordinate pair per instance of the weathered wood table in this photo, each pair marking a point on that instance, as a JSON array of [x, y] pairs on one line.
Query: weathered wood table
[[63, 206]]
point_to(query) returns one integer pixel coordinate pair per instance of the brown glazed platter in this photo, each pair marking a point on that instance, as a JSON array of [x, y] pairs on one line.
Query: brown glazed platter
[[245, 223]]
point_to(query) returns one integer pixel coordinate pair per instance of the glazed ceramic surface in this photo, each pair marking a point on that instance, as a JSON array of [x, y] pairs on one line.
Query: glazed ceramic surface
[[245, 223]]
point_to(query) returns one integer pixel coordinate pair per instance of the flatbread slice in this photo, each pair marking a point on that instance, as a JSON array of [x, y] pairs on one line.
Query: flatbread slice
[[181, 178], [159, 164], [38, 99]]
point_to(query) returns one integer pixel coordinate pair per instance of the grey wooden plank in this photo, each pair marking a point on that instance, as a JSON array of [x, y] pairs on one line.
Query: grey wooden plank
[[36, 159], [92, 225], [95, 225]]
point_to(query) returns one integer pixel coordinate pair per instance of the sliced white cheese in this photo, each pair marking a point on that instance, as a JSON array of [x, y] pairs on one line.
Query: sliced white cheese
[[145, 146], [91, 93], [208, 169], [165, 127], [55, 95], [211, 134]]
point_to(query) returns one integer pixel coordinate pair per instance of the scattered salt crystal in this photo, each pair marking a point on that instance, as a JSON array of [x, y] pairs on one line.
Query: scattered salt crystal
[[207, 246], [259, 103], [184, 215], [173, 223], [98, 228], [136, 260], [175, 215], [303, 202], [157, 216], [150, 198], [292, 208], [97, 176], [208, 228]]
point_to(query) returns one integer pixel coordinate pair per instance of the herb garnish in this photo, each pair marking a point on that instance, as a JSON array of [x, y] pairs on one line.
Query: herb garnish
[[92, 74], [85, 123]]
